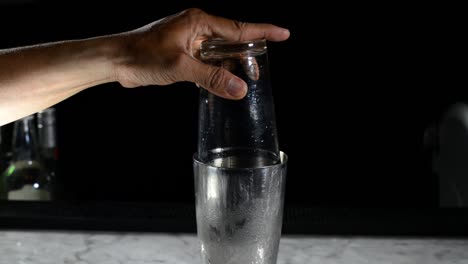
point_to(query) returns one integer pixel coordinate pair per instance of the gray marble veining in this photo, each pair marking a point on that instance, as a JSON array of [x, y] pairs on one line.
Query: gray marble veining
[[17, 247]]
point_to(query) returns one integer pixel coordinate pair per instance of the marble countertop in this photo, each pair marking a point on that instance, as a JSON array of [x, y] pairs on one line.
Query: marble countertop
[[41, 247]]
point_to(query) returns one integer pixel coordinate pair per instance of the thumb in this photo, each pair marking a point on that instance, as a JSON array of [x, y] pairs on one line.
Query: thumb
[[215, 79]]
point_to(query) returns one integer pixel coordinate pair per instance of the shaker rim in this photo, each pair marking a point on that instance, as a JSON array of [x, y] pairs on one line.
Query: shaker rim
[[217, 48], [283, 162]]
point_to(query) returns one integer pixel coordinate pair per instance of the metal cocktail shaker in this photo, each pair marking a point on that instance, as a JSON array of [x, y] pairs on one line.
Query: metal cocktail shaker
[[239, 170]]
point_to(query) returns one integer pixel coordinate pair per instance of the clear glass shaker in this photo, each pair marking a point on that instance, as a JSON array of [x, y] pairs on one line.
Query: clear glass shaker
[[238, 133]]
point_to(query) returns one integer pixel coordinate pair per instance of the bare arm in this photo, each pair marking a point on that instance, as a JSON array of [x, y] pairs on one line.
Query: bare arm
[[164, 52], [36, 77]]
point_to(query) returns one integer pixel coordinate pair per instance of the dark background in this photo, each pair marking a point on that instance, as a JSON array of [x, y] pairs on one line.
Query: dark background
[[355, 88]]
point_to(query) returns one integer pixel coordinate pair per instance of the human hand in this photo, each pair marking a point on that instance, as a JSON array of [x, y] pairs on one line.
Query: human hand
[[167, 51]]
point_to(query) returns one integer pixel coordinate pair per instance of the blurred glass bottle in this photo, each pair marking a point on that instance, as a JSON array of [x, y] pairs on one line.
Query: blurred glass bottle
[[238, 133], [26, 177], [47, 132], [1, 150], [5, 152], [2, 161], [6, 132]]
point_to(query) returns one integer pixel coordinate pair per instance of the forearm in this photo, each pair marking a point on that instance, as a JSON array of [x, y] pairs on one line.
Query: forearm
[[160, 53], [35, 77]]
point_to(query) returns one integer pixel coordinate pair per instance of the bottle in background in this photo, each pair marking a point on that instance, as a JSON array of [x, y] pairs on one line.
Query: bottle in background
[[26, 178], [2, 163], [47, 135], [1, 151], [6, 136], [5, 153]]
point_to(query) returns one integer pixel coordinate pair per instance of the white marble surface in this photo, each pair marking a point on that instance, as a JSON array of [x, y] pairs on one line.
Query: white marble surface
[[125, 248]]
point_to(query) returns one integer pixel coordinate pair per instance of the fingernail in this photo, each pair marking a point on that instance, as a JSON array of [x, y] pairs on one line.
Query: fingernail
[[285, 32], [235, 88]]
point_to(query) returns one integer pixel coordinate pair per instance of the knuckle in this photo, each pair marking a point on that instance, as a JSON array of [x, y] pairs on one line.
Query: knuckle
[[194, 16], [194, 12], [216, 78], [241, 28]]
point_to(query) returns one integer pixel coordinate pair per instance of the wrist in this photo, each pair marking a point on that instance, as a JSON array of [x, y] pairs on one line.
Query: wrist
[[110, 53], [116, 50]]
